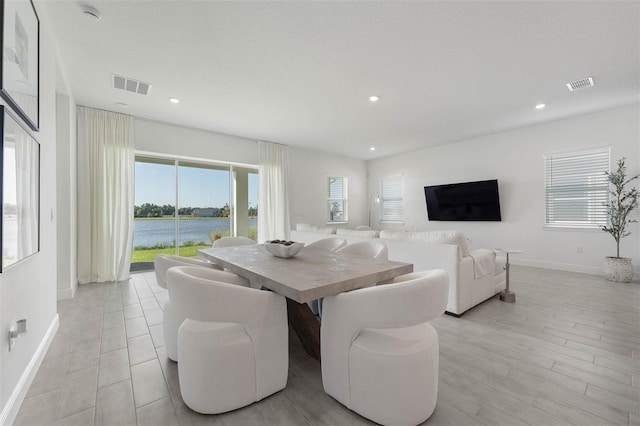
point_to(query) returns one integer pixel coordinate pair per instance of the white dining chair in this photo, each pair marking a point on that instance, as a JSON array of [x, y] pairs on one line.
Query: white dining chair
[[331, 244], [171, 320], [232, 242], [379, 351], [372, 249], [233, 346]]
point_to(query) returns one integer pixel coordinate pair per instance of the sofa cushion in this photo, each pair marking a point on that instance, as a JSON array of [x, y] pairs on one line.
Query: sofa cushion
[[353, 233], [305, 227], [444, 237], [441, 237], [394, 235]]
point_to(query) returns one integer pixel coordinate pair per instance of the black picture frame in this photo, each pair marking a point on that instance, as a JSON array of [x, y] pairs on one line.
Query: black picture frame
[[20, 66], [19, 192]]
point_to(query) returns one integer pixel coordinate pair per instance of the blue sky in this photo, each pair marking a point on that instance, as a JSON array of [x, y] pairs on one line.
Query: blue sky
[[155, 184]]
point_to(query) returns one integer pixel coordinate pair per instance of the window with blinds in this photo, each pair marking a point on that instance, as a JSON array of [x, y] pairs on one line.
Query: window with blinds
[[391, 199], [337, 199], [577, 189]]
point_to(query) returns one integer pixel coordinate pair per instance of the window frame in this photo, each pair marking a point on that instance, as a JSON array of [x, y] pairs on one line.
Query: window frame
[[596, 193], [344, 200], [392, 198], [177, 161]]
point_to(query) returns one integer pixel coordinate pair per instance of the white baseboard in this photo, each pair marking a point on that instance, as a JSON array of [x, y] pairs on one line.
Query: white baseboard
[[10, 410], [593, 270], [68, 293]]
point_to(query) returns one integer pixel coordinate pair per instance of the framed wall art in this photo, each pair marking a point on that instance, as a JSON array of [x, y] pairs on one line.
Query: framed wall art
[[20, 76], [20, 225]]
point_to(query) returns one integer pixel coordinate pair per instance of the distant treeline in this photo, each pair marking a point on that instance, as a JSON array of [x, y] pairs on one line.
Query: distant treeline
[[153, 210]]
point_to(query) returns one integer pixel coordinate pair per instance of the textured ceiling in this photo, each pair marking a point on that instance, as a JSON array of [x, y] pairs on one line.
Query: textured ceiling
[[300, 73]]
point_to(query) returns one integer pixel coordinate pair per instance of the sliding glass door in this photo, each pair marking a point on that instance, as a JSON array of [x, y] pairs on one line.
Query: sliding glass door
[[154, 229], [245, 202], [204, 212], [183, 206]]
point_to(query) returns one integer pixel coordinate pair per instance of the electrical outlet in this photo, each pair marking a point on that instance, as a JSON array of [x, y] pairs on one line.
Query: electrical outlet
[[579, 250], [19, 329]]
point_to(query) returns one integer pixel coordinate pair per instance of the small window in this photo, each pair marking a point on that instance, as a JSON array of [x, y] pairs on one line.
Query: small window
[[391, 199], [577, 189], [337, 199]]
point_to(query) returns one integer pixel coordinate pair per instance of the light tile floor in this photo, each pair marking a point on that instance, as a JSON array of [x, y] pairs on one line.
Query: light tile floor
[[567, 352]]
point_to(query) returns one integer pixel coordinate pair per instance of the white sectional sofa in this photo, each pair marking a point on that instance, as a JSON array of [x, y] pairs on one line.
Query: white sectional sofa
[[474, 276]]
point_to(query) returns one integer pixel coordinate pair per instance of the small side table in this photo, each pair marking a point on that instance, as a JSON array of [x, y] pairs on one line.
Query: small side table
[[506, 295]]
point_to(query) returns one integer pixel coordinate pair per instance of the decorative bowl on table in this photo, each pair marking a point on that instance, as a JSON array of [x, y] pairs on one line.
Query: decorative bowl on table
[[284, 249]]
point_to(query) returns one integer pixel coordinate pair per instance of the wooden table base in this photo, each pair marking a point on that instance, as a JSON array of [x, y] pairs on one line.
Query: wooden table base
[[306, 326]]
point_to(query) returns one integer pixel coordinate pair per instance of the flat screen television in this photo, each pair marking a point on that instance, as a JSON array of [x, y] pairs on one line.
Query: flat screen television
[[468, 201]]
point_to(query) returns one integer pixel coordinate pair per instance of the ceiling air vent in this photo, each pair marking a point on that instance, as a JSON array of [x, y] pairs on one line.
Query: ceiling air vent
[[130, 85], [583, 83]]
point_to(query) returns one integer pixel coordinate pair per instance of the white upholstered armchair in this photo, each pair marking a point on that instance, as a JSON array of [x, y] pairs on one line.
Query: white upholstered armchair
[[171, 320], [372, 249], [233, 242], [331, 243], [379, 352], [233, 346]]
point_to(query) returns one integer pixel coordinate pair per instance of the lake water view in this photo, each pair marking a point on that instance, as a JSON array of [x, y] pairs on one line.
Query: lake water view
[[150, 232]]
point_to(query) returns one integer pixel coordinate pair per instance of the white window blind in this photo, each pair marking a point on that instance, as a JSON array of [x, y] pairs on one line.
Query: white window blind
[[391, 199], [337, 199], [577, 189]]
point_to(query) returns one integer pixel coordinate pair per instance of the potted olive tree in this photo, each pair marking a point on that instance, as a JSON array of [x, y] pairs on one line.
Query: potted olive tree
[[621, 213]]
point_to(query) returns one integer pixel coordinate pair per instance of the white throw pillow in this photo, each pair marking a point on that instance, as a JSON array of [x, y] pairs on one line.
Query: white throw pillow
[[444, 237], [305, 227], [395, 235], [351, 232]]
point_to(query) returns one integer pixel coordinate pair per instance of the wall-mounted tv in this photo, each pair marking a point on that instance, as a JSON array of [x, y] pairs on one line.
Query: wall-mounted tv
[[468, 201]]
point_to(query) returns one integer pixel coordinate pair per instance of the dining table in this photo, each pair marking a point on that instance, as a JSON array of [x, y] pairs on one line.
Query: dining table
[[312, 274]]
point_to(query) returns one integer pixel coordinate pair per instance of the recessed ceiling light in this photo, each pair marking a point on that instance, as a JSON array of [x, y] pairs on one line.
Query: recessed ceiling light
[[373, 148], [174, 100], [91, 12], [541, 106], [373, 98], [122, 105]]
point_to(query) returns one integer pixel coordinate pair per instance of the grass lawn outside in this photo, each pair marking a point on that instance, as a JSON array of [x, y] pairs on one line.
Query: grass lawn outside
[[150, 254]]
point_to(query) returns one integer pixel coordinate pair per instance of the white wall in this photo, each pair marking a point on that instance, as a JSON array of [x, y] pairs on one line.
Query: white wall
[[66, 185], [309, 173], [66, 195], [515, 158], [28, 289], [168, 139]]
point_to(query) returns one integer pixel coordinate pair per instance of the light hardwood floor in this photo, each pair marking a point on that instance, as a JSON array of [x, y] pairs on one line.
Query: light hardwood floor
[[567, 352]]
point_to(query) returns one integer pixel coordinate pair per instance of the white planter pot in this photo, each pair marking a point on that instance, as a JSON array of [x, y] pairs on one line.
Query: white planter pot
[[618, 269]]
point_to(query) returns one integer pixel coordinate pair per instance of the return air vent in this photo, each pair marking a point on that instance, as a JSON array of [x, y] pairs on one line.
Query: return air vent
[[130, 85], [583, 83]]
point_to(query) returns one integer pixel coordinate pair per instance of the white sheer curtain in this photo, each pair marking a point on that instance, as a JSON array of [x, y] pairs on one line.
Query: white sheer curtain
[[273, 193], [106, 158], [27, 191]]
